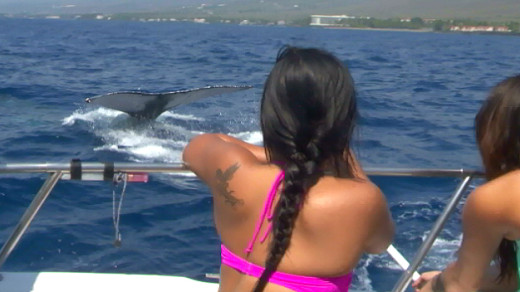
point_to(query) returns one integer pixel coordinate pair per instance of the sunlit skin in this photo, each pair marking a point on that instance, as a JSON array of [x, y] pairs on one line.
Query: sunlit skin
[[490, 214], [325, 211], [341, 218]]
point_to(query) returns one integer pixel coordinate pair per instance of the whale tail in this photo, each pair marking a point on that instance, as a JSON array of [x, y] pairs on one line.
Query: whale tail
[[148, 106]]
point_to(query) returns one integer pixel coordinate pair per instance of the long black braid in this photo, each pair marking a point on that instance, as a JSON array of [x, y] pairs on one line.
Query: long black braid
[[307, 118]]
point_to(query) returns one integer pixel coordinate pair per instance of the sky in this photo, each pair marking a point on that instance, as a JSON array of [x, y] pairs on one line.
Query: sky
[[83, 6]]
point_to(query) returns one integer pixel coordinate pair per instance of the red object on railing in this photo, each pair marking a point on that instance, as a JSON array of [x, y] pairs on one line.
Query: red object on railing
[[138, 177]]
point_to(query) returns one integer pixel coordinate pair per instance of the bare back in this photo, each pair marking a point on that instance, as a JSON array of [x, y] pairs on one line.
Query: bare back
[[339, 220]]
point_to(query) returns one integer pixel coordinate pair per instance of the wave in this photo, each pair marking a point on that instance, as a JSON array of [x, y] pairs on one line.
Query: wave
[[143, 141], [90, 116], [254, 137], [168, 114]]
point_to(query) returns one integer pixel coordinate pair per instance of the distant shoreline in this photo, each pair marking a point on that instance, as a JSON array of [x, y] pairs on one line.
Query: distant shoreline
[[420, 30], [378, 29]]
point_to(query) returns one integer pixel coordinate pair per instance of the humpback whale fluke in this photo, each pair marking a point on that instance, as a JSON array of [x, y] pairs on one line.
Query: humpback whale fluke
[[149, 106]]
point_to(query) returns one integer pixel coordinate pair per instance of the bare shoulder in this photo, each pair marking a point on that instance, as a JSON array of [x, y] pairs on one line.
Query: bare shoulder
[[361, 193], [496, 201], [357, 203], [210, 154], [347, 197], [497, 193]]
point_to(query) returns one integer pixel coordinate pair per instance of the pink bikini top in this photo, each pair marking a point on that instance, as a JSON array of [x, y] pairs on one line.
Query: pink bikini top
[[290, 281]]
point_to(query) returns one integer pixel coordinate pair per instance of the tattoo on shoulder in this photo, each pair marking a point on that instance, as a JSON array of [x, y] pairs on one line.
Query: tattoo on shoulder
[[223, 178]]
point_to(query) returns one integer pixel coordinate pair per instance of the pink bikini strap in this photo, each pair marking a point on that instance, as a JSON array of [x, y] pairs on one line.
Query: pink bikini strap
[[266, 211]]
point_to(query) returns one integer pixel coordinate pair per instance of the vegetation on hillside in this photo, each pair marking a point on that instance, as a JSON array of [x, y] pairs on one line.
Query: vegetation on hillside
[[393, 14]]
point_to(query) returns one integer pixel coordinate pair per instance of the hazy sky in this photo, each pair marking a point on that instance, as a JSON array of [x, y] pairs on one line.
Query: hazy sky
[[78, 6], [62, 2], [105, 2]]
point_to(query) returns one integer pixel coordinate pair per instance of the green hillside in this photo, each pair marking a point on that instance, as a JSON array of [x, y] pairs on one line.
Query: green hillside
[[273, 10], [489, 10]]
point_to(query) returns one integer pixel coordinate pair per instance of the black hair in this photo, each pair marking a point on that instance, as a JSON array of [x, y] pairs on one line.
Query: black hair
[[497, 129], [308, 113]]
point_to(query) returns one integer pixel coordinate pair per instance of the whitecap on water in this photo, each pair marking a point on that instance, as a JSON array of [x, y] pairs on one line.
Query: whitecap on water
[[443, 252], [143, 145], [144, 141], [168, 114], [90, 116], [250, 137], [362, 275]]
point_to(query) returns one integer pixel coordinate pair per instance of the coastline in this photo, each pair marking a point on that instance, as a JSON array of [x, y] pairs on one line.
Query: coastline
[[380, 29], [422, 30]]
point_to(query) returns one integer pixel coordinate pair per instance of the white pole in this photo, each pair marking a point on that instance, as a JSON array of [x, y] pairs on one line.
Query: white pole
[[400, 260]]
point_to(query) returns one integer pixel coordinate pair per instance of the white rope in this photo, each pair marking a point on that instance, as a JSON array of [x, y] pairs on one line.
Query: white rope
[[116, 214]]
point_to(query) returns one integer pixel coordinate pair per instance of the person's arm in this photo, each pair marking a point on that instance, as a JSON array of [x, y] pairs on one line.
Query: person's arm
[[257, 151], [490, 284], [382, 225], [483, 230], [207, 154], [425, 277]]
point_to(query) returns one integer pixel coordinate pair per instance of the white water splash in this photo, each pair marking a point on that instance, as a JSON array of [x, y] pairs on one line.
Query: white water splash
[[443, 252], [168, 114], [249, 137], [90, 116], [141, 144], [153, 141], [362, 275]]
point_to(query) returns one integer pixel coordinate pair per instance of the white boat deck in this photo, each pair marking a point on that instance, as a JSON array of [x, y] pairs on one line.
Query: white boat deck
[[98, 282]]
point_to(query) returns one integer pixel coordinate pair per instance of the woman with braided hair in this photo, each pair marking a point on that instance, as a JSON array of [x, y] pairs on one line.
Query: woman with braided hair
[[298, 213]]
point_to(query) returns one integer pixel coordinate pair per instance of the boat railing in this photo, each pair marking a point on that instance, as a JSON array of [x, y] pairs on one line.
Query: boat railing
[[77, 170]]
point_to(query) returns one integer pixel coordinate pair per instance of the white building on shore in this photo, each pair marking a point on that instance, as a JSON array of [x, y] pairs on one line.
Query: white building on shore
[[328, 20], [479, 28]]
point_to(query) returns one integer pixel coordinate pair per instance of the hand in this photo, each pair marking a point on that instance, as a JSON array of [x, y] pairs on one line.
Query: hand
[[425, 278]]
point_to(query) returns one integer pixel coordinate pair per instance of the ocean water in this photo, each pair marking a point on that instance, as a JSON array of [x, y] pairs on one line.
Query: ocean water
[[418, 94]]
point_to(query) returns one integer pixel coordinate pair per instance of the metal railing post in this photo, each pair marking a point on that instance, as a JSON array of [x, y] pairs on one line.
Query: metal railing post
[[29, 215], [406, 277]]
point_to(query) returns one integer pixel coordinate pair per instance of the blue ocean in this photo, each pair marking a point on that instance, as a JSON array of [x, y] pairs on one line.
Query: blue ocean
[[418, 95]]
